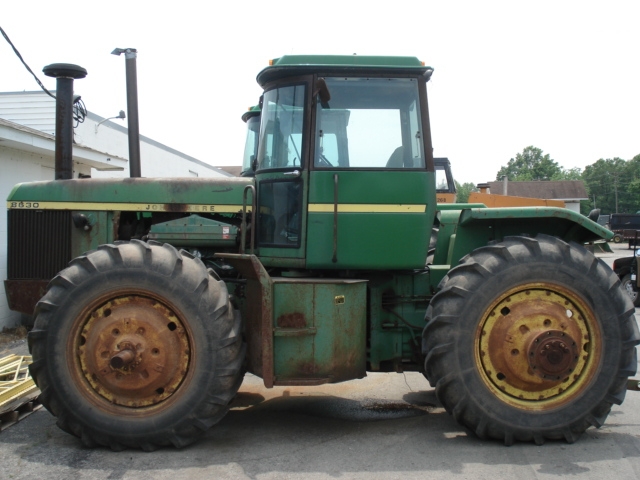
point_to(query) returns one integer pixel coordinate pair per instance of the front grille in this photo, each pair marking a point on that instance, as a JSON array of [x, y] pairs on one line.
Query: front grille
[[39, 243]]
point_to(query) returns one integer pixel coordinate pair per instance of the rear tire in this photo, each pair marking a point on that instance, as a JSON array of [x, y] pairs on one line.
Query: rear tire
[[617, 238], [136, 345], [530, 339]]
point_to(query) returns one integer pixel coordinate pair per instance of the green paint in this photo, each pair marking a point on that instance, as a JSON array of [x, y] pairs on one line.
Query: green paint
[[369, 61], [193, 191], [195, 231], [319, 329], [83, 240]]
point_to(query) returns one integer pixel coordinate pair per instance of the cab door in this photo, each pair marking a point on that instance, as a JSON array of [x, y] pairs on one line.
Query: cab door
[[371, 187], [281, 175]]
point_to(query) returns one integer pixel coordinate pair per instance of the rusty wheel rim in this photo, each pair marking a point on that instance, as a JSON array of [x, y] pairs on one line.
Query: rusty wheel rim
[[538, 346], [130, 351]]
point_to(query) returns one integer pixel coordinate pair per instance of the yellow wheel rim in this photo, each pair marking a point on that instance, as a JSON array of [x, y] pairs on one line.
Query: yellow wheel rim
[[538, 346], [130, 350]]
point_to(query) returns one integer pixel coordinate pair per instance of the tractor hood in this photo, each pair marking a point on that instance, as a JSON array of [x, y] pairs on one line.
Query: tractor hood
[[204, 195]]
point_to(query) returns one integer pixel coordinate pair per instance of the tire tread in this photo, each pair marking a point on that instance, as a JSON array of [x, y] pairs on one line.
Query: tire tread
[[441, 333], [222, 324]]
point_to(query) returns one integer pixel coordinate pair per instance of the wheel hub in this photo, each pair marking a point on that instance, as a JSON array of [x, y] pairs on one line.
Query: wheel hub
[[125, 358], [132, 351], [553, 355]]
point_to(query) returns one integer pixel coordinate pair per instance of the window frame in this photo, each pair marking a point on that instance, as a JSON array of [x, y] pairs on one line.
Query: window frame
[[423, 119]]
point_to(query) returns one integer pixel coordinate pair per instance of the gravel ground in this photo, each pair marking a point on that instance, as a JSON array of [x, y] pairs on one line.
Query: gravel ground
[[13, 341]]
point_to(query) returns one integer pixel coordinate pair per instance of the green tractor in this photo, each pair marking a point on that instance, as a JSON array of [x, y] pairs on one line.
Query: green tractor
[[317, 269]]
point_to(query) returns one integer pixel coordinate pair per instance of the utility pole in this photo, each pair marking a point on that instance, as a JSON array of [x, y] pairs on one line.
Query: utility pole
[[615, 188]]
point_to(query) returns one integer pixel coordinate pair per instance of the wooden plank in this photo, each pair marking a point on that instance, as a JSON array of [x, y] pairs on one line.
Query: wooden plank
[[11, 418], [17, 388]]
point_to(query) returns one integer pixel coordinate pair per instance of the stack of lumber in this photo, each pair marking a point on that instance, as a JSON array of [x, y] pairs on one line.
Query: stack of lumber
[[18, 392]]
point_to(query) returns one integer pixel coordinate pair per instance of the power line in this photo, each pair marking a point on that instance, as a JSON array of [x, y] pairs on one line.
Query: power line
[[79, 109], [6, 37]]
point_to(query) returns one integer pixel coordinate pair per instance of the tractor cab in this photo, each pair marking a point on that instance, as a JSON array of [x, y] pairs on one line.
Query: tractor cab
[[344, 157]]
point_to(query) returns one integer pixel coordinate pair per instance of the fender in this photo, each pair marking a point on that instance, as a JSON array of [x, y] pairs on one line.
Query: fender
[[462, 231]]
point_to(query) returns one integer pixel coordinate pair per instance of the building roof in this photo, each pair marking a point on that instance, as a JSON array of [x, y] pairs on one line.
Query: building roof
[[549, 190], [34, 112], [233, 170], [21, 137]]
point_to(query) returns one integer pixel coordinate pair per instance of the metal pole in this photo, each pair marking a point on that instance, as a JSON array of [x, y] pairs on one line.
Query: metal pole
[[64, 73], [615, 186], [130, 55]]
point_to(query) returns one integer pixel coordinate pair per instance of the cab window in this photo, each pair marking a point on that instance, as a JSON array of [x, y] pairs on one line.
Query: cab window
[[369, 123], [280, 143]]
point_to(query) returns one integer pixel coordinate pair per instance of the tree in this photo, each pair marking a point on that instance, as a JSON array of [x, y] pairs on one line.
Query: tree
[[463, 191], [632, 180], [531, 164], [607, 184], [571, 174]]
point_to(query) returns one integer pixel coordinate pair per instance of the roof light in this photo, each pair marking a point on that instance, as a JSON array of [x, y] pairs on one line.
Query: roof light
[[271, 63]]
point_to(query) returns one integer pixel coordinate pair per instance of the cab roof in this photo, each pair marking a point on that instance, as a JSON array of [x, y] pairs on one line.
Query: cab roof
[[290, 65]]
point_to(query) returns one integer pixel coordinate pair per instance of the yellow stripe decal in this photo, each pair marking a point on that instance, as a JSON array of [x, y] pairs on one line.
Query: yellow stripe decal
[[129, 207], [179, 207], [366, 208]]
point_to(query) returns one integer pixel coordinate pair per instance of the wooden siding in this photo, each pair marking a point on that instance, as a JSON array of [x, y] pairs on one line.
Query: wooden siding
[[32, 109]]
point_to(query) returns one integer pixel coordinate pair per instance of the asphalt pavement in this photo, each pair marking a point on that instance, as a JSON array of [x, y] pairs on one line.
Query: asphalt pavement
[[386, 426]]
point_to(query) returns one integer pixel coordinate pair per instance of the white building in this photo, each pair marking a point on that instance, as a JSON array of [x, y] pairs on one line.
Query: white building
[[27, 153]]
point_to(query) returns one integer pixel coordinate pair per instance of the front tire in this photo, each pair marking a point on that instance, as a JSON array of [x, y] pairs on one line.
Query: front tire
[[530, 339], [136, 345]]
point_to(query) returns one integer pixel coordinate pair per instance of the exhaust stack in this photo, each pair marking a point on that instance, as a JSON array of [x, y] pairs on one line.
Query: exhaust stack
[[65, 74], [130, 55]]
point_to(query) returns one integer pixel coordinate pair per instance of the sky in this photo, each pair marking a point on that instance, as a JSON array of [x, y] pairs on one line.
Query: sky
[[562, 76]]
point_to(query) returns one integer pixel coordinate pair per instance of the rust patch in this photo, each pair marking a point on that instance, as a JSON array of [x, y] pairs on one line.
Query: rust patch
[[307, 369], [22, 295], [292, 320], [133, 351], [553, 354], [176, 207]]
